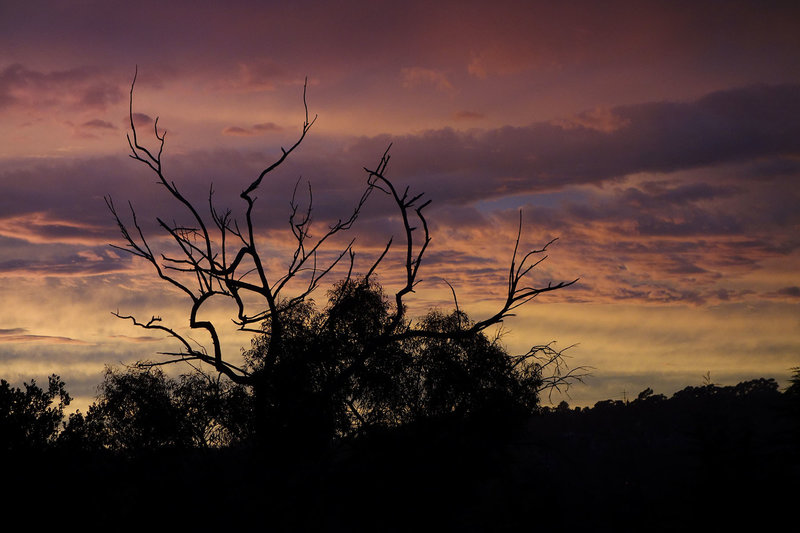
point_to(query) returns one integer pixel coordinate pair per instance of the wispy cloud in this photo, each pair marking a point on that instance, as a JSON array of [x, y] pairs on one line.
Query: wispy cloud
[[41, 227], [21, 335], [256, 129], [136, 340]]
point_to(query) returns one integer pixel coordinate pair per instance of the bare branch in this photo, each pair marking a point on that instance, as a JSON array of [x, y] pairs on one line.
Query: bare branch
[[229, 262], [377, 179], [237, 274], [554, 373]]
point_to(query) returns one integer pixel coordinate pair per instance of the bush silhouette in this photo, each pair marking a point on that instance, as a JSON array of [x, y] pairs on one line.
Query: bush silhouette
[[341, 371], [29, 418], [141, 408]]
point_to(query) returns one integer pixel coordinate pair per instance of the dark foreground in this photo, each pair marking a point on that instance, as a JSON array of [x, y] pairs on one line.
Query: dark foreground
[[708, 458]]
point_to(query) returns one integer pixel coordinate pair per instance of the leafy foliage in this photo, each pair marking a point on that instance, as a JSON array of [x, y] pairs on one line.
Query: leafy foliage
[[28, 418], [142, 408], [345, 369]]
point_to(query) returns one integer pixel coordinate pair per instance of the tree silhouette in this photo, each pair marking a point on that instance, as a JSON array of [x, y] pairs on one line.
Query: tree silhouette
[[314, 384], [29, 419], [141, 408], [295, 379]]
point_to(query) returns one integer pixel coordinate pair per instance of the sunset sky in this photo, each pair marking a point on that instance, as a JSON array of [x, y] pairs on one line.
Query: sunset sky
[[659, 141]]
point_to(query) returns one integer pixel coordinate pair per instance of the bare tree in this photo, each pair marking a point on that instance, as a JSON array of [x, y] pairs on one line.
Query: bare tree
[[226, 259]]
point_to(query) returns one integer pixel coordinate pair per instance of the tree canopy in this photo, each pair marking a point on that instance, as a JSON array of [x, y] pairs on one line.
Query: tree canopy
[[31, 418], [342, 367]]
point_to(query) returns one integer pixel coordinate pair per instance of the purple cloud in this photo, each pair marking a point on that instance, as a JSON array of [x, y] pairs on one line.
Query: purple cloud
[[81, 87]]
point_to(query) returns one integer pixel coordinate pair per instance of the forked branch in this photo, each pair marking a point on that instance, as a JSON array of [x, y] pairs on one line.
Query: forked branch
[[411, 209], [203, 266], [224, 259]]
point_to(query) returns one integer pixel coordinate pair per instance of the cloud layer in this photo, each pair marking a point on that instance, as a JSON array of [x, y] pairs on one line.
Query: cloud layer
[[661, 145]]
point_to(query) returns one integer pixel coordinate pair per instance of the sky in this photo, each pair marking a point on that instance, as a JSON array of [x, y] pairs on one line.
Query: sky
[[659, 142]]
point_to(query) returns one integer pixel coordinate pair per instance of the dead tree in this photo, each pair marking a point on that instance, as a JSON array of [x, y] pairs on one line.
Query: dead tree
[[226, 259]]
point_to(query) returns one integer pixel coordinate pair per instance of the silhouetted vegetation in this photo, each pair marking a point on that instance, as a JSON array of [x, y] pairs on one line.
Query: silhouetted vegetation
[[143, 409], [360, 362], [346, 370], [711, 456], [29, 418]]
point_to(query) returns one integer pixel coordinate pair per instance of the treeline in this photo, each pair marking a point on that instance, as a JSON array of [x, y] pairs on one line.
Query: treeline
[[135, 409], [710, 457], [713, 457], [142, 408]]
